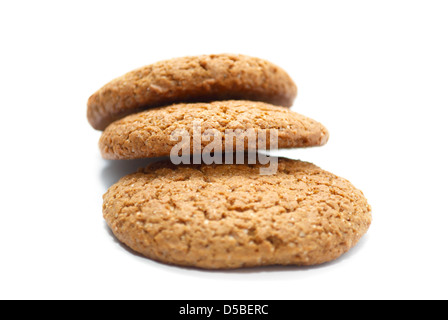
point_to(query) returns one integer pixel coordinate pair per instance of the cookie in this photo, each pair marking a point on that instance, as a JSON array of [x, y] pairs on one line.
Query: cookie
[[149, 133], [229, 216], [191, 79]]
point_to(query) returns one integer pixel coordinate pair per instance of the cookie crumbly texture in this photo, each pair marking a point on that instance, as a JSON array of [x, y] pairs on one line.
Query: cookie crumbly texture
[[149, 134], [228, 216], [191, 79]]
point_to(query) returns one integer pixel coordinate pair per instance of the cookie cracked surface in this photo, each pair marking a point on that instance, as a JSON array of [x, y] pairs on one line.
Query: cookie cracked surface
[[148, 134], [228, 216], [191, 79]]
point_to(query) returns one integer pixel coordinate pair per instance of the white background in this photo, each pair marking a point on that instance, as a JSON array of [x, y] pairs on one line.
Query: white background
[[374, 72]]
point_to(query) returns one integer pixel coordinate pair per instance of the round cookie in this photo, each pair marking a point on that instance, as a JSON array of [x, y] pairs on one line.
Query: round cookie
[[229, 216], [191, 79], [150, 133]]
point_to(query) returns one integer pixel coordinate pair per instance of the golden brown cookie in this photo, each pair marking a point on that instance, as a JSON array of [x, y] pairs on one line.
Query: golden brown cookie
[[229, 216], [191, 79], [149, 133]]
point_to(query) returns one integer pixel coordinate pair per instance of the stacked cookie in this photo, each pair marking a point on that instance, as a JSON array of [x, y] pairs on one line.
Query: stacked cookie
[[221, 216]]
